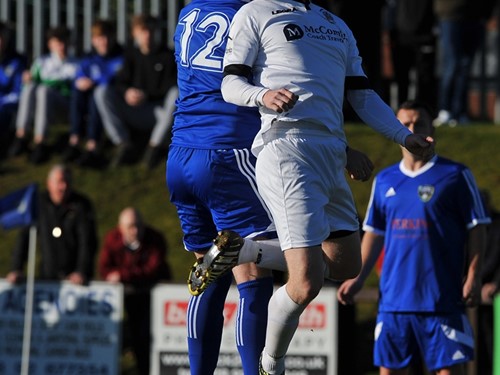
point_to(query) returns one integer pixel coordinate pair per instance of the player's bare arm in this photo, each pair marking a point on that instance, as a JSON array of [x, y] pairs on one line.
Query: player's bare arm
[[472, 285], [371, 247]]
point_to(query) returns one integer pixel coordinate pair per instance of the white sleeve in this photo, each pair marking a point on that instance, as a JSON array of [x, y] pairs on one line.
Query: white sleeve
[[236, 89], [243, 42], [377, 114], [241, 51]]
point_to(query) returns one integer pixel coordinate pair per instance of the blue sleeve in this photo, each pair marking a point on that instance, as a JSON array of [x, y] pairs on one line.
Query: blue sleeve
[[375, 220], [19, 65], [82, 69], [472, 206], [377, 114]]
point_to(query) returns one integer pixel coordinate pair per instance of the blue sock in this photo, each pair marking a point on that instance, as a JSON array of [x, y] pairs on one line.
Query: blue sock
[[252, 320], [205, 320]]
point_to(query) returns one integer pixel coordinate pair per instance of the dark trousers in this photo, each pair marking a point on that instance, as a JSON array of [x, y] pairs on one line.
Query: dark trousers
[[83, 109], [137, 327]]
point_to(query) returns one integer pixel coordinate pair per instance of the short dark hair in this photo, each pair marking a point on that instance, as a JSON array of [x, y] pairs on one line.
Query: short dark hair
[[60, 33], [144, 21], [7, 35], [417, 105], [102, 28]]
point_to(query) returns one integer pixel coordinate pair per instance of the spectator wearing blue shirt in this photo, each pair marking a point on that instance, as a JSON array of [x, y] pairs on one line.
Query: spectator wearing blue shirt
[[95, 71], [12, 65]]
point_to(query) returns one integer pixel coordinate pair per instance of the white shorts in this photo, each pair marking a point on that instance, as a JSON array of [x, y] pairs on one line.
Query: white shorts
[[301, 177]]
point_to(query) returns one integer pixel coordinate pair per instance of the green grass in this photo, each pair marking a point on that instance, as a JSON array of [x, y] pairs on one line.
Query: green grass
[[112, 190]]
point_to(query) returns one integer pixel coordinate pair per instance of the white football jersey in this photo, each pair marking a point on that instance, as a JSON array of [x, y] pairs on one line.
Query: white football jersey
[[303, 48]]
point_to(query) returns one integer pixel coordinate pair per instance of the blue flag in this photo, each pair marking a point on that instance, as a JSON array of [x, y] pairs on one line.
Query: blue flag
[[18, 208]]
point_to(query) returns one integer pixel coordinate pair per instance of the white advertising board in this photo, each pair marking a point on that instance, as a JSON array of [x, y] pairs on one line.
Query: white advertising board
[[312, 351], [75, 329]]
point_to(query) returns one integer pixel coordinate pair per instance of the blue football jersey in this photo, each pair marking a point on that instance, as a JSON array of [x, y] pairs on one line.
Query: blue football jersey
[[203, 119], [424, 216], [12, 67], [100, 69]]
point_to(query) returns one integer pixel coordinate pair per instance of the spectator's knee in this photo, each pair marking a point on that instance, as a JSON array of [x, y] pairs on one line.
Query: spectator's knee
[[101, 93], [42, 91]]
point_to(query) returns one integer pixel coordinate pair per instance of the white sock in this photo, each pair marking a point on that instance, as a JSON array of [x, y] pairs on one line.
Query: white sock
[[265, 253], [282, 322], [272, 365]]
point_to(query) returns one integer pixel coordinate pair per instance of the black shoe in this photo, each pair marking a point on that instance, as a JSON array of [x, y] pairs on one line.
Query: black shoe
[[72, 152], [153, 156], [124, 155], [18, 147], [40, 154], [90, 159]]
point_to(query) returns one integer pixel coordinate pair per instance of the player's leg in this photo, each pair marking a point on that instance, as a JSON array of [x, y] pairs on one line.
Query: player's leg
[[288, 303], [205, 312], [290, 178], [255, 287], [342, 254], [446, 342], [228, 251], [236, 204], [343, 246], [239, 211], [395, 345], [205, 321], [453, 370], [386, 371], [266, 253]]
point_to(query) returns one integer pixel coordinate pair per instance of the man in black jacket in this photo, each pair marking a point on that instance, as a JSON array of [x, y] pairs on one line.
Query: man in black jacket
[[67, 233], [143, 96]]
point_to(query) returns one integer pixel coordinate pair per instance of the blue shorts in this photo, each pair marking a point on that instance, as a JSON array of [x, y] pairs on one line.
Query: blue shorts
[[214, 190], [442, 340]]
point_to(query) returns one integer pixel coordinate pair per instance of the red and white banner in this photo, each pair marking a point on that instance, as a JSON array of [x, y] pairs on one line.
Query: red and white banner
[[312, 351]]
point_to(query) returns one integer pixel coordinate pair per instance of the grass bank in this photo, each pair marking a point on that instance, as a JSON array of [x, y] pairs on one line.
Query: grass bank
[[111, 190]]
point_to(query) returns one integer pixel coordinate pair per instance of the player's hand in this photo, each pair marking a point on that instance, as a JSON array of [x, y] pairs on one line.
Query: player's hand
[[472, 292], [359, 166], [420, 145], [488, 292], [280, 101], [347, 290]]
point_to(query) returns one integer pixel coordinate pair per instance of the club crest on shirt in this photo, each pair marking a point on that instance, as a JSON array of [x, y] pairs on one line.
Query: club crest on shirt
[[425, 192], [328, 16]]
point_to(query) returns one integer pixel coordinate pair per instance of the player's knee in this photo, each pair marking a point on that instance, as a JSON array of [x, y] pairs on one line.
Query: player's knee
[[305, 291], [348, 270], [354, 266]]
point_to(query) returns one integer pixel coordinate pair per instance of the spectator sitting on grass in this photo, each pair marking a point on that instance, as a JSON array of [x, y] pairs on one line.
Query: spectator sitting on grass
[[143, 96], [95, 71], [45, 95]]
